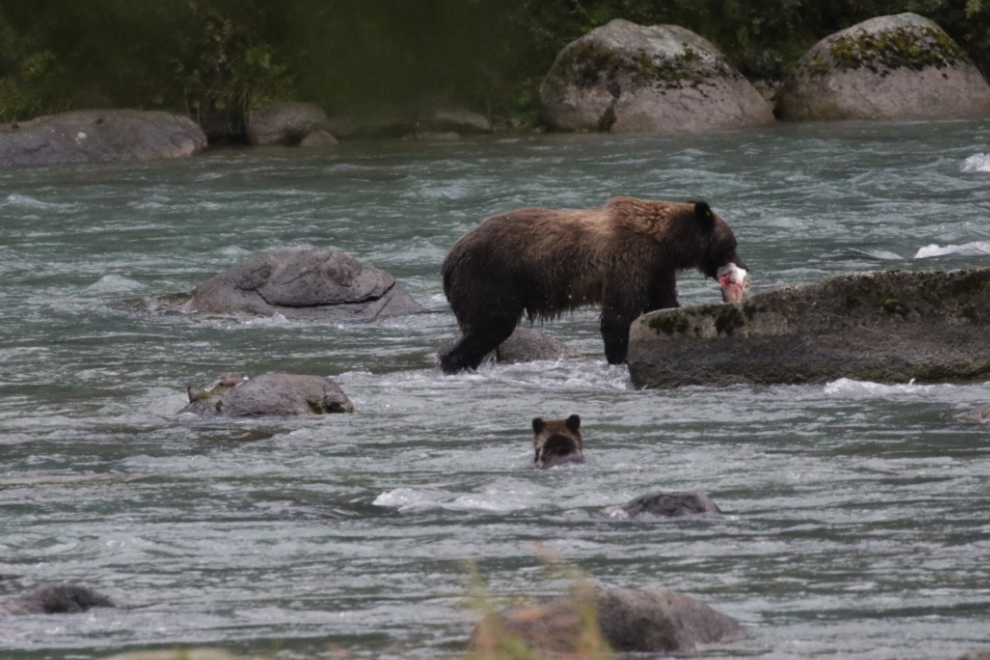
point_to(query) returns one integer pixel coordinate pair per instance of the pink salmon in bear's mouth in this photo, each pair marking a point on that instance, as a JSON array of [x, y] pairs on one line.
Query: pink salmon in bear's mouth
[[734, 282]]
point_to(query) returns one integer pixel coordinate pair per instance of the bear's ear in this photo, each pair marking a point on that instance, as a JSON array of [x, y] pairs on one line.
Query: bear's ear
[[573, 422], [538, 425], [703, 214]]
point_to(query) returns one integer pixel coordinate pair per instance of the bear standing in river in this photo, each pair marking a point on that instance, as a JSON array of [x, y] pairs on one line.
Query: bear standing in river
[[544, 262]]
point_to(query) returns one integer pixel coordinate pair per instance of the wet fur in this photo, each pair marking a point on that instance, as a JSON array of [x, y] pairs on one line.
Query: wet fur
[[544, 262], [557, 441]]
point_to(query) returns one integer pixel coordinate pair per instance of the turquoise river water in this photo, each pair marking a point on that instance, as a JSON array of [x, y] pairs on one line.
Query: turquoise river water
[[857, 514]]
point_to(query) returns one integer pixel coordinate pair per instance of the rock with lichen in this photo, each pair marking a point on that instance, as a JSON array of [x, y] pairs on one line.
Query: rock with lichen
[[268, 394], [889, 67], [629, 78], [890, 326]]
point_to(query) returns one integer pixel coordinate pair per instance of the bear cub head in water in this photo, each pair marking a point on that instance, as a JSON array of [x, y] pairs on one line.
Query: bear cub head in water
[[557, 441]]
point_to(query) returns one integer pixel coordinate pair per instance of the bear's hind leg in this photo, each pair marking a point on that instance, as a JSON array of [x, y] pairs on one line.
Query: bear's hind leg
[[478, 341]]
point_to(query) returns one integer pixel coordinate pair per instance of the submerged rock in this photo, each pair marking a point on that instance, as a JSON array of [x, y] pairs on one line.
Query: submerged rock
[[55, 599], [670, 505], [629, 620], [289, 123], [979, 415], [885, 327], [302, 284], [624, 77], [976, 654], [183, 654], [526, 345], [889, 67], [99, 136], [268, 394]]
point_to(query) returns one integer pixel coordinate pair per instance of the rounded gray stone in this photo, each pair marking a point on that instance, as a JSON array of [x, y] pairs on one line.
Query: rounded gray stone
[[624, 77], [285, 123], [99, 136], [269, 394], [670, 505], [304, 284], [890, 67]]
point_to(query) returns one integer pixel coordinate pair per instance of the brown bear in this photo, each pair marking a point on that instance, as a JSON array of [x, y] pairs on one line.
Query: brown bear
[[557, 441], [544, 262]]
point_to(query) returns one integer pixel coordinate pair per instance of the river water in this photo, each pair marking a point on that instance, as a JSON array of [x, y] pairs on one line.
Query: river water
[[858, 514]]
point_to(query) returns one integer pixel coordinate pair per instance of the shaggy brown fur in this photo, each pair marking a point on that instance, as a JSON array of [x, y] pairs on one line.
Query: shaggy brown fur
[[557, 441], [543, 262]]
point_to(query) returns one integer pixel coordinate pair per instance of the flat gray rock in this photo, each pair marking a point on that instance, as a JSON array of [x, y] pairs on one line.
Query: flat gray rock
[[670, 505], [890, 326], [268, 394], [99, 136], [889, 67], [624, 77], [629, 620], [54, 599], [303, 284]]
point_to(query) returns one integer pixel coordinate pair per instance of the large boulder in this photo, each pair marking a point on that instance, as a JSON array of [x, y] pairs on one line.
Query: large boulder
[[99, 136], [628, 620], [303, 284], [268, 394], [54, 599], [288, 123], [890, 67], [889, 326], [624, 77]]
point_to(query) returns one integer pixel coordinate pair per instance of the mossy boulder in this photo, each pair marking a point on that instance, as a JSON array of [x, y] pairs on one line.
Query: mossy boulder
[[268, 394], [99, 136], [624, 77], [307, 284], [890, 326], [890, 67]]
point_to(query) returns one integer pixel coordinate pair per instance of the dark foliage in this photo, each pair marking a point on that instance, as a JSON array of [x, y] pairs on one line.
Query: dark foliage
[[213, 59]]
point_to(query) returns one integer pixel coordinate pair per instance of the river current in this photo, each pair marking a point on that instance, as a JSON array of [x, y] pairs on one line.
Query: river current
[[857, 517]]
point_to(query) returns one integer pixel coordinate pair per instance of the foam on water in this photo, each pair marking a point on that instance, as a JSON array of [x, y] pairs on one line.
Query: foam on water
[[977, 163], [974, 249], [857, 389]]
